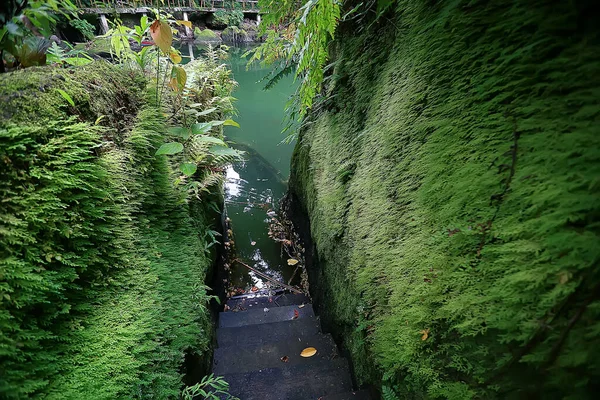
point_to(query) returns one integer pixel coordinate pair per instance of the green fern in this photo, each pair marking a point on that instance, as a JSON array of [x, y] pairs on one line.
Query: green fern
[[304, 46], [388, 393]]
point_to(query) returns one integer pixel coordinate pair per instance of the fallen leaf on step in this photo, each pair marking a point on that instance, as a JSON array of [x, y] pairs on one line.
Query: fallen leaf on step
[[285, 359], [425, 333], [308, 352], [292, 261], [296, 314]]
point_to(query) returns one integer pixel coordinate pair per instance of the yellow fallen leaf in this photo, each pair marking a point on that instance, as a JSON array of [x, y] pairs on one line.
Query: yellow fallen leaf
[[425, 333], [308, 352], [292, 261]]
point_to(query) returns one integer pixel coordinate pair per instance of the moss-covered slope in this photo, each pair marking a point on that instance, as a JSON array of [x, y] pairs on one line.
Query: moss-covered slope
[[452, 179], [101, 284]]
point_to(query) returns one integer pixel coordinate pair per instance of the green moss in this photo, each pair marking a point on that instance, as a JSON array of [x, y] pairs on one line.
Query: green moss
[[98, 90], [103, 262], [206, 35], [472, 209], [234, 34]]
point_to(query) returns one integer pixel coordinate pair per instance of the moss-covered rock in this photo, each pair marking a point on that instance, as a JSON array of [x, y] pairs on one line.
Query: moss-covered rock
[[206, 35], [233, 34], [451, 178]]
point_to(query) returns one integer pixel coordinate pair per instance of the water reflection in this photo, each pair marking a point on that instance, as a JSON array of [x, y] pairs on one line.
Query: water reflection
[[252, 190]]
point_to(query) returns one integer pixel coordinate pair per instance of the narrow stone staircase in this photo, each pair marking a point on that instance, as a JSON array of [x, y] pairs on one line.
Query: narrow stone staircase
[[260, 339]]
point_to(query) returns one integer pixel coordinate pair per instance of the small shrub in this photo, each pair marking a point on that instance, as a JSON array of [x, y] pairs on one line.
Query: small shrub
[[229, 17], [87, 30]]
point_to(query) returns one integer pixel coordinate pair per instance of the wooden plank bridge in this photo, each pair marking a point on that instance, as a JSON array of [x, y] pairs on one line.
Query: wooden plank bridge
[[144, 6]]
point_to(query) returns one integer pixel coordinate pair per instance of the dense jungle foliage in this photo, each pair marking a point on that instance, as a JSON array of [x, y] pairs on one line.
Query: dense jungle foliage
[[103, 255], [449, 164]]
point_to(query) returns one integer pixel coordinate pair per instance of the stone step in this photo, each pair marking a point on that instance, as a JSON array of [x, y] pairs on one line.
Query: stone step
[[353, 395], [249, 302], [264, 316], [284, 354], [259, 334], [298, 382]]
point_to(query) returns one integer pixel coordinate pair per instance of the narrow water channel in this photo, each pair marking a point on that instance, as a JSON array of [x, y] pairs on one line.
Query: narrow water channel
[[254, 187]]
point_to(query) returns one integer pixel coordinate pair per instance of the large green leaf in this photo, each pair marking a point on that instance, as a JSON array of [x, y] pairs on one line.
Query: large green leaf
[[201, 128], [206, 112], [180, 131], [170, 148], [210, 139], [188, 169]]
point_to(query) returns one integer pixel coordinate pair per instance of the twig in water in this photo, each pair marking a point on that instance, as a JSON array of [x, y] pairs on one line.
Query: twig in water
[[267, 277]]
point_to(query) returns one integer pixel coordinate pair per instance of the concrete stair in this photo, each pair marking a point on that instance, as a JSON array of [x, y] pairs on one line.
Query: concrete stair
[[260, 339]]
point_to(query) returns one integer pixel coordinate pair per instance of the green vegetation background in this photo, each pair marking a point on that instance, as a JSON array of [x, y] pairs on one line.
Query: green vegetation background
[[452, 177], [102, 258]]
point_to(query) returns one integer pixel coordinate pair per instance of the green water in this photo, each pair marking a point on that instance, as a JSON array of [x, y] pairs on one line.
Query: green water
[[261, 114], [255, 186]]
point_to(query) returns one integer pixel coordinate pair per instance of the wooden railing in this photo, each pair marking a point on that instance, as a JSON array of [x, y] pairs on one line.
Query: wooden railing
[[200, 5]]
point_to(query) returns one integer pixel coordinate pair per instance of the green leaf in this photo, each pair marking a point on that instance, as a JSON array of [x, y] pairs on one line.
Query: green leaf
[[230, 122], [188, 169], [224, 151], [180, 131], [13, 29], [383, 5], [169, 148], [227, 122], [206, 112], [144, 22], [66, 96], [210, 139], [3, 32], [201, 128]]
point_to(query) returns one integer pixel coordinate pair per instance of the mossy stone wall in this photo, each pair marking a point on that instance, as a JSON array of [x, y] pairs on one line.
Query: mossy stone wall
[[102, 258], [451, 176]]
